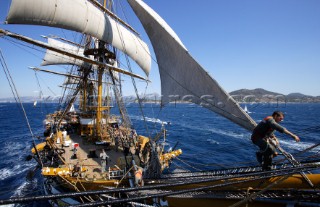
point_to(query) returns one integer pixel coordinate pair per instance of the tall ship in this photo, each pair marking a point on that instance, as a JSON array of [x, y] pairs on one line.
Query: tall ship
[[91, 157]]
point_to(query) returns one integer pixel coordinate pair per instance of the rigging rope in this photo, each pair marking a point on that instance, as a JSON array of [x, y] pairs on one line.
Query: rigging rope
[[178, 192], [17, 98], [133, 80], [261, 175]]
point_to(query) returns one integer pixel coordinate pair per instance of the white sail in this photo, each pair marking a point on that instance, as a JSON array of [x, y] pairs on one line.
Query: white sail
[[246, 109], [181, 76], [81, 16], [71, 81], [54, 58], [72, 109]]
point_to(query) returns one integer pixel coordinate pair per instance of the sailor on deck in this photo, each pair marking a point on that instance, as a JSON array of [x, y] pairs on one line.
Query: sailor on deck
[[64, 135], [263, 132], [104, 157]]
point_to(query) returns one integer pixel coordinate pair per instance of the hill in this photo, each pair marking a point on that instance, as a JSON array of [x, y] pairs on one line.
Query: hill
[[262, 95], [242, 95]]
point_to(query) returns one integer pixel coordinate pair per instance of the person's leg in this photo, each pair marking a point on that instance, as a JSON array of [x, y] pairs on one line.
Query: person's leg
[[263, 146], [268, 155]]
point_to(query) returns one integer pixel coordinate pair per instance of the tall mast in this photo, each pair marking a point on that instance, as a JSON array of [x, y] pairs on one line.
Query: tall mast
[[101, 45], [99, 107]]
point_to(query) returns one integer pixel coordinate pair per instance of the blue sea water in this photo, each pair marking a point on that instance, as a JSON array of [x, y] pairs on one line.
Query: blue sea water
[[207, 140]]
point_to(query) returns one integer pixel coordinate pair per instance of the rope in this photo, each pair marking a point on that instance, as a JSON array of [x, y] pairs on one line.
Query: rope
[[262, 175], [170, 193], [17, 98], [133, 81], [254, 195], [132, 203], [187, 163]]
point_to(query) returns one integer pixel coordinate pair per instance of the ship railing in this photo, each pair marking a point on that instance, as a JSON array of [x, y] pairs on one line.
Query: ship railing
[[115, 173]]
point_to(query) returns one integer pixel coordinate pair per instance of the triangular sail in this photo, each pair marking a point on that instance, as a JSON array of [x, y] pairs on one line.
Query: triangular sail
[[181, 76], [81, 16]]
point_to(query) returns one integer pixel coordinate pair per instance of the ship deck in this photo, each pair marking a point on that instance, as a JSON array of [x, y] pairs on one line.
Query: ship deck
[[88, 156]]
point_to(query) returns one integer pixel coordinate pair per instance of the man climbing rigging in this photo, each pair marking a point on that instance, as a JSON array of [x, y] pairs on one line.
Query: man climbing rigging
[[263, 134]]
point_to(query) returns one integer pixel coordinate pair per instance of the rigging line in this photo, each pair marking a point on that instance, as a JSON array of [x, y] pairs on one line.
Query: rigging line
[[307, 158], [15, 93], [278, 172], [254, 195], [180, 167], [186, 163], [179, 192], [23, 46], [148, 52], [41, 94], [145, 95], [213, 106], [10, 84], [65, 91], [133, 81], [158, 115], [215, 164]]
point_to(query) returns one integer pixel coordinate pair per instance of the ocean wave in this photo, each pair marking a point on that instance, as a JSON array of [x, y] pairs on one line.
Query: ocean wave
[[7, 205], [208, 129], [26, 188], [300, 146], [7, 172], [212, 141], [15, 149], [153, 120], [18, 191], [227, 133]]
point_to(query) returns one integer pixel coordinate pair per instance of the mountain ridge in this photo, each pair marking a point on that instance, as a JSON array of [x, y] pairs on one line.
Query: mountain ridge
[[241, 95], [262, 95]]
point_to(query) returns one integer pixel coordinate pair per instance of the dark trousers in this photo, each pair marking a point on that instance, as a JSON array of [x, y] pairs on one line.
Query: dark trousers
[[267, 151]]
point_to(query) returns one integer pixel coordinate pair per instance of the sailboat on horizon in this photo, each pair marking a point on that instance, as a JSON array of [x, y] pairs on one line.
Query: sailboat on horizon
[[246, 109], [92, 157]]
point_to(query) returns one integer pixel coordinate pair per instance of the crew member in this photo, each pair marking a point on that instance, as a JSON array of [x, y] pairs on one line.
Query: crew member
[[104, 157], [76, 170], [138, 175], [265, 131]]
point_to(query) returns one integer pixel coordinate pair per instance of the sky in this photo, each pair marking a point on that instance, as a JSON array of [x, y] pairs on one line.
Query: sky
[[243, 44]]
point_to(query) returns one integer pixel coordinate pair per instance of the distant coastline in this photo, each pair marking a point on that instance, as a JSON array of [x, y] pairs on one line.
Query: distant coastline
[[258, 95], [261, 95]]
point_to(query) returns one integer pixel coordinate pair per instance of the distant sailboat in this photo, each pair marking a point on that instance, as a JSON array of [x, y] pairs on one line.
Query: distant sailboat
[[72, 109], [246, 110], [35, 103]]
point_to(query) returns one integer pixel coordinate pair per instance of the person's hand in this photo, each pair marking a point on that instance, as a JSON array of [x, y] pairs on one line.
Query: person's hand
[[276, 140], [296, 138]]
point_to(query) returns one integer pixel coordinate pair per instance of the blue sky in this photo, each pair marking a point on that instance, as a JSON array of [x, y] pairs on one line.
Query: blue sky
[[270, 44]]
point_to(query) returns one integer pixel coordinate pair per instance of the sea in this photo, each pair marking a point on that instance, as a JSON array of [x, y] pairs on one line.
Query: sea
[[207, 140]]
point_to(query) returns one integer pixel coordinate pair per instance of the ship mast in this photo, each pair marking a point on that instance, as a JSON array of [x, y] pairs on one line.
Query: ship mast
[[100, 109]]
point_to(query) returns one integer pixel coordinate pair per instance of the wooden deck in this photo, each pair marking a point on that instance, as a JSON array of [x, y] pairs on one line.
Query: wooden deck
[[93, 164]]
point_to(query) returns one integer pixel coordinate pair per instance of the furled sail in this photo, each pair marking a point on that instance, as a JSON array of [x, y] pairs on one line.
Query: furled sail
[[70, 81], [182, 78], [81, 16], [54, 58]]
